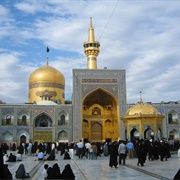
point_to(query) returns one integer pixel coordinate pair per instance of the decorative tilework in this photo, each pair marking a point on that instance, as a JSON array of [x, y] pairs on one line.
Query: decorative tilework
[[46, 84], [7, 109], [48, 111], [99, 80], [113, 89]]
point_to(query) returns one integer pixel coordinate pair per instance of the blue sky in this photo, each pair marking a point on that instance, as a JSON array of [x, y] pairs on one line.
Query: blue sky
[[140, 36]]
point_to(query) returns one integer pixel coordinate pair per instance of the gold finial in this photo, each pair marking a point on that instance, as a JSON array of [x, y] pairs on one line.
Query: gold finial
[[91, 32], [91, 22]]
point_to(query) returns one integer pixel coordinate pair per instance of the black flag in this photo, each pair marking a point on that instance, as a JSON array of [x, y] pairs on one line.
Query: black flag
[[47, 50]]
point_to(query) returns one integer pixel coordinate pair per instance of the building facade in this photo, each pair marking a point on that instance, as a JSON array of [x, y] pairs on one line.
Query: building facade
[[94, 114], [171, 121]]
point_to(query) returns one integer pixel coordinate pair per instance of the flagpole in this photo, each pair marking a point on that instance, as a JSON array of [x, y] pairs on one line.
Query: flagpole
[[47, 58]]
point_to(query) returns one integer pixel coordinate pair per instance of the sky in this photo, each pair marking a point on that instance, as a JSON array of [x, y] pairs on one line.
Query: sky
[[140, 36]]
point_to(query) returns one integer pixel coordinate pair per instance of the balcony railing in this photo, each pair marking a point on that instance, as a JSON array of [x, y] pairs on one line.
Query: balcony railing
[[7, 124], [22, 124]]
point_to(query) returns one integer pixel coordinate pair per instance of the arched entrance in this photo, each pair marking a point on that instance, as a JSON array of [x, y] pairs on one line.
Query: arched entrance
[[100, 116], [134, 134], [23, 139], [174, 134], [63, 136], [96, 132], [149, 134], [43, 129]]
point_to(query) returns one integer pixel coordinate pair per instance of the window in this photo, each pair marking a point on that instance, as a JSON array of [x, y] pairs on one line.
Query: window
[[61, 122], [173, 117], [62, 119], [24, 118], [170, 118], [8, 120], [96, 111], [43, 123]]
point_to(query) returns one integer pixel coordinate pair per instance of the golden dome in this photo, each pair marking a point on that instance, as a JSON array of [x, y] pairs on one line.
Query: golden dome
[[47, 74], [141, 108], [46, 83]]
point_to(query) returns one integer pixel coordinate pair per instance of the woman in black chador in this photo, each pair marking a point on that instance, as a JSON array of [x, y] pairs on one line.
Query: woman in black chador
[[113, 154], [21, 149], [67, 173], [161, 150], [56, 171], [140, 152], [51, 157], [21, 172], [156, 151], [66, 155], [151, 150]]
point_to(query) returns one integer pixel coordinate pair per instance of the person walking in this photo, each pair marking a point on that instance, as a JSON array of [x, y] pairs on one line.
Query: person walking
[[80, 146], [88, 146], [140, 152], [161, 150], [122, 152], [150, 150], [29, 148], [130, 149]]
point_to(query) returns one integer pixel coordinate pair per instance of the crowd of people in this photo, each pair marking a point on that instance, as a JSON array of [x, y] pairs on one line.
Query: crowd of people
[[141, 149], [118, 152], [39, 150]]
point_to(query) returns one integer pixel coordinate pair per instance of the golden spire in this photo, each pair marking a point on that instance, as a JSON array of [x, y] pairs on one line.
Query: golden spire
[[91, 48]]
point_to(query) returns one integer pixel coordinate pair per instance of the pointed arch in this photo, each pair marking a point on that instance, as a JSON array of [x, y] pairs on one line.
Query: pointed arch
[[22, 112], [23, 136], [63, 135], [173, 117], [7, 117], [100, 106], [149, 133], [6, 136], [108, 135], [100, 96], [63, 118], [23, 117], [43, 120], [43, 125], [108, 123], [7, 112], [134, 134], [174, 134]]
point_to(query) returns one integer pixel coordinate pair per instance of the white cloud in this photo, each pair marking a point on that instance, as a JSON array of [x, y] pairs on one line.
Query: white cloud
[[139, 36]]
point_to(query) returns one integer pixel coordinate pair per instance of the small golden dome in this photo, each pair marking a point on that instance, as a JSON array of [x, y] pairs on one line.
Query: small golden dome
[[141, 108], [47, 74]]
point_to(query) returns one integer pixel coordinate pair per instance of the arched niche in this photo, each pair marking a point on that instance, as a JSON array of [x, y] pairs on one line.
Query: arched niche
[[149, 134], [134, 134]]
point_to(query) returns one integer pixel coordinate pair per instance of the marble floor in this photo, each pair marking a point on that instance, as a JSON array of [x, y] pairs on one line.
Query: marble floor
[[85, 169]]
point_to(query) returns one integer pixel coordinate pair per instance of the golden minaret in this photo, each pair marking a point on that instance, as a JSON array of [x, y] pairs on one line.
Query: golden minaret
[[91, 48]]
